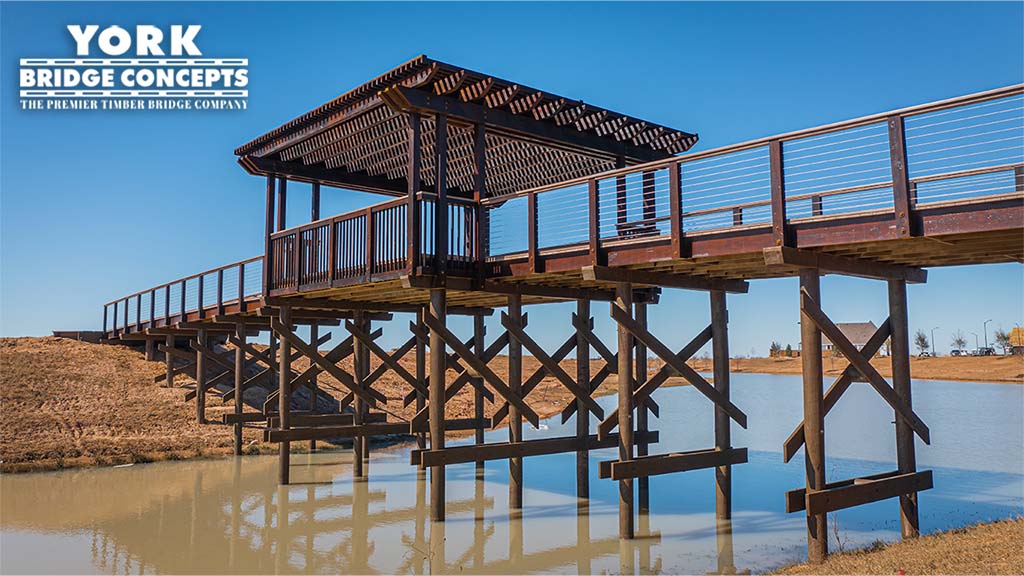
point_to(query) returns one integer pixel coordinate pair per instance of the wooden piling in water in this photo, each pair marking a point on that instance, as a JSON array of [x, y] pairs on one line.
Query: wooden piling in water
[[723, 435], [479, 331], [360, 361], [284, 396], [314, 330], [421, 378], [438, 361], [643, 483], [582, 412], [814, 416], [515, 418], [624, 302], [239, 380], [901, 384]]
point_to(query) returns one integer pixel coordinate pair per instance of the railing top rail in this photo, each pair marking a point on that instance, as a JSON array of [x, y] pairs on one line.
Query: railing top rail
[[975, 98], [343, 216], [186, 279]]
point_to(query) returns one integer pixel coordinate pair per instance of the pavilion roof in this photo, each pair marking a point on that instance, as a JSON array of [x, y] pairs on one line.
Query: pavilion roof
[[533, 138]]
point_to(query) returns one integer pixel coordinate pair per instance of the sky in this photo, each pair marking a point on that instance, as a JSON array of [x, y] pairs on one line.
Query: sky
[[95, 205]]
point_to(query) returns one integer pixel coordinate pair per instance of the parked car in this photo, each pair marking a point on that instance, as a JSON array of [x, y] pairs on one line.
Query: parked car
[[986, 351], [956, 352], [924, 355]]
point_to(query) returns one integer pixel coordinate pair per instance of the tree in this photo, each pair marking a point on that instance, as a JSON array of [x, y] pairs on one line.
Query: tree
[[959, 342], [789, 350], [921, 341], [1003, 340], [773, 350]]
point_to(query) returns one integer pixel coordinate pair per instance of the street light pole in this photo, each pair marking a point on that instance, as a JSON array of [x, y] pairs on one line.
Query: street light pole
[[935, 349], [975, 339], [984, 328]]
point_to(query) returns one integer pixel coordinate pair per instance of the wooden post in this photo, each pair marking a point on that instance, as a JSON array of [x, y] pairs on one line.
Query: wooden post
[[582, 412], [438, 361], [201, 377], [283, 395], [314, 382], [479, 193], [360, 360], [239, 379], [643, 484], [780, 235], [723, 435], [621, 204], [282, 203], [421, 377], [814, 416], [169, 361], [268, 231], [900, 176], [441, 191], [412, 233], [515, 418], [150, 348], [478, 396], [901, 384], [624, 301], [675, 208]]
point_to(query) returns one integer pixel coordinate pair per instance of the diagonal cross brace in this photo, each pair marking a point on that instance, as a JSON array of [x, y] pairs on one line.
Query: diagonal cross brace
[[654, 382], [552, 366], [840, 341], [467, 355], [536, 378], [836, 390], [465, 377], [379, 352], [370, 396], [670, 359]]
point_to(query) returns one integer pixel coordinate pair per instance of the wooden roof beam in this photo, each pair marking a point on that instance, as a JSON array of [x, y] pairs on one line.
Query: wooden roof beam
[[337, 178]]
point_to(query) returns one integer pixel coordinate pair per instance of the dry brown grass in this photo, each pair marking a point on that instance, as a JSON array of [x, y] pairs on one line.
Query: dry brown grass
[[994, 548], [1006, 369]]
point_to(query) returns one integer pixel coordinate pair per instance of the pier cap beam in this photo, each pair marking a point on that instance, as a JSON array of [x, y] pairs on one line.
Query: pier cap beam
[[786, 256]]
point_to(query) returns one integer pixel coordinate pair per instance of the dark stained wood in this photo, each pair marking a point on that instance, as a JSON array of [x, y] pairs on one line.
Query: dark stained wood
[[778, 192], [901, 387], [900, 178], [518, 449], [610, 275], [623, 306], [814, 416], [787, 256], [643, 466]]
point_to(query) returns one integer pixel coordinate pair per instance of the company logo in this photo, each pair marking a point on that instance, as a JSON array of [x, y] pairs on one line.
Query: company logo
[[148, 68]]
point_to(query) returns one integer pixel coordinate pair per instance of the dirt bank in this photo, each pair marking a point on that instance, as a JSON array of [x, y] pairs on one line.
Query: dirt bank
[[1007, 369], [994, 548]]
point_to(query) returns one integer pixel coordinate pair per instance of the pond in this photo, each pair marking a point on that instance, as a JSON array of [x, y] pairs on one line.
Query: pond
[[230, 516]]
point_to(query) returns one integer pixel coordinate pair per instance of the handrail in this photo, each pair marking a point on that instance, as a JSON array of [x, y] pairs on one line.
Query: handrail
[[787, 136], [186, 279]]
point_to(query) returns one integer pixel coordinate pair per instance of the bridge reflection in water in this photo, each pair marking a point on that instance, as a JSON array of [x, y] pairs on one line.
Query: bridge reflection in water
[[232, 517]]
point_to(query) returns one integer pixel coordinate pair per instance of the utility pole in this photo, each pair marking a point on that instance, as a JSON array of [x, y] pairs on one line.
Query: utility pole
[[935, 349], [984, 328]]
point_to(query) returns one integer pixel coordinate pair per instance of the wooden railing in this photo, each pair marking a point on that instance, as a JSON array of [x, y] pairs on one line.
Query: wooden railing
[[963, 149], [199, 293]]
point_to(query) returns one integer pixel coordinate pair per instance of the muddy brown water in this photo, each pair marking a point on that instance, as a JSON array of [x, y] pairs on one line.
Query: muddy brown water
[[229, 516]]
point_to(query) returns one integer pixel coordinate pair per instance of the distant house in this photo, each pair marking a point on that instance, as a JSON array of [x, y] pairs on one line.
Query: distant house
[[858, 333], [1017, 341]]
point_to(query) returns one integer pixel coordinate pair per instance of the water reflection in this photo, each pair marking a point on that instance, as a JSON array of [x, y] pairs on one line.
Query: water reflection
[[229, 516]]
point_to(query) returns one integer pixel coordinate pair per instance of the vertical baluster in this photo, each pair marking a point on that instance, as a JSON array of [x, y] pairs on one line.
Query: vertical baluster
[[199, 297]]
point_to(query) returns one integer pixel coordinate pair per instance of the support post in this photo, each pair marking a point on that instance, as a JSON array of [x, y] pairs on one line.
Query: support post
[[723, 436], [814, 417], [282, 203], [239, 380], [360, 362], [643, 484], [268, 231], [624, 302], [901, 384], [201, 377], [421, 377], [441, 192], [314, 337], [515, 418], [284, 394], [150, 348], [582, 412], [438, 359], [478, 395], [412, 233], [169, 361]]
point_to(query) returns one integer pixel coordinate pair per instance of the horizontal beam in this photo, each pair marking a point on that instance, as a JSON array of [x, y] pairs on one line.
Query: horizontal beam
[[788, 256], [664, 279], [857, 491], [312, 420], [505, 450], [381, 429], [668, 463], [462, 284]]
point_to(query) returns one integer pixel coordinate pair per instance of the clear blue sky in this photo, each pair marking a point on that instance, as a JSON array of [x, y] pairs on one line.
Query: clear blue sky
[[98, 204]]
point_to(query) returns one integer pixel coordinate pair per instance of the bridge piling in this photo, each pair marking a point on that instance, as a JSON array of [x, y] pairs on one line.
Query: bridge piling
[[624, 302], [515, 419], [239, 380], [643, 483], [901, 384], [723, 434], [438, 360], [814, 416], [479, 331], [202, 341], [582, 412], [284, 394]]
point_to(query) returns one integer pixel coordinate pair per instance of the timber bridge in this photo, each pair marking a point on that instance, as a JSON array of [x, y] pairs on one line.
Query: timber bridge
[[506, 196]]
